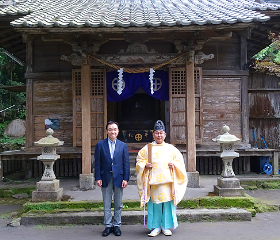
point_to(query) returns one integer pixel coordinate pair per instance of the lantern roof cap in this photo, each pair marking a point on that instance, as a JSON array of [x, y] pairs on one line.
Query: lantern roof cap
[[49, 140], [226, 137]]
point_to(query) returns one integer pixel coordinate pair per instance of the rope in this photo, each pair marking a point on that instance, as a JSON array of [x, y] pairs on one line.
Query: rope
[[136, 70]]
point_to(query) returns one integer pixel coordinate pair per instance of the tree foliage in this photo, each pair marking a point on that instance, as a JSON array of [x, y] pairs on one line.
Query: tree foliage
[[268, 59], [11, 74]]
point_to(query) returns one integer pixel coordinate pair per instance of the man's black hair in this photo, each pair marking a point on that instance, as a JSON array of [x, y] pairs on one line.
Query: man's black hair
[[111, 122]]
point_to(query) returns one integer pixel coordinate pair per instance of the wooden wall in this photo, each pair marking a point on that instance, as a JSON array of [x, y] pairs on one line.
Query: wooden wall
[[47, 56], [227, 54], [221, 89], [264, 103], [221, 105], [53, 100], [51, 84]]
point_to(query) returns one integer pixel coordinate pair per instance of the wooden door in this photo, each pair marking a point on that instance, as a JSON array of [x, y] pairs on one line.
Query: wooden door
[[177, 105], [98, 106]]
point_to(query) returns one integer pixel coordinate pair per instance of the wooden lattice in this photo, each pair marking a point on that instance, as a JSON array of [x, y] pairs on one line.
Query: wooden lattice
[[97, 83], [98, 103], [77, 82], [178, 81], [177, 105]]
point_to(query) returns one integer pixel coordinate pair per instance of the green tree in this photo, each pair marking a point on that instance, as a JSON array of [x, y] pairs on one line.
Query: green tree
[[11, 74], [268, 59]]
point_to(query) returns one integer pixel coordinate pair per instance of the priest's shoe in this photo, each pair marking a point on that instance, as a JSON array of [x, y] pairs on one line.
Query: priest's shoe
[[107, 231], [155, 232], [166, 232]]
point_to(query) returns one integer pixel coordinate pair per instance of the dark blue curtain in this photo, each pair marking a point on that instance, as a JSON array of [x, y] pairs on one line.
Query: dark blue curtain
[[133, 81]]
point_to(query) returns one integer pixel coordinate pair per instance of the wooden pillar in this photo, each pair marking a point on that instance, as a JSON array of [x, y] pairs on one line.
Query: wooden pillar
[[244, 91], [86, 121], [29, 134], [275, 163], [244, 110], [190, 116]]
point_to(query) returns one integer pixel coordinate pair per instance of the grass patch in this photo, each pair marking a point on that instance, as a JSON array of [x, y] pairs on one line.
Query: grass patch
[[260, 184], [189, 203], [205, 202], [226, 202], [9, 192], [261, 208]]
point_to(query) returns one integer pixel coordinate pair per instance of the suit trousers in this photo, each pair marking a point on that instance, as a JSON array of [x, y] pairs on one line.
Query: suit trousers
[[107, 194]]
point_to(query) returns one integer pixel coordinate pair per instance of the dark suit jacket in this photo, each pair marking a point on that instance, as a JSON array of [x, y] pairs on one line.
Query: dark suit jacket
[[119, 165]]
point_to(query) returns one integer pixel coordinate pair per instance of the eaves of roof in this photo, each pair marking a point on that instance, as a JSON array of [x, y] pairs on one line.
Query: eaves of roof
[[133, 13]]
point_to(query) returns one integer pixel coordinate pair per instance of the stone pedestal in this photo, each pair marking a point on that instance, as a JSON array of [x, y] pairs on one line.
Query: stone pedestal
[[48, 188], [86, 181], [193, 179], [47, 191], [228, 187]]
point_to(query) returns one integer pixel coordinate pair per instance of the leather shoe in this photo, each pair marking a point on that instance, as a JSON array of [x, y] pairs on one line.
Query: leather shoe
[[107, 231], [117, 231]]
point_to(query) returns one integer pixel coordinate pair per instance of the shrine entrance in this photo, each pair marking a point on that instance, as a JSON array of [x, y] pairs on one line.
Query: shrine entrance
[[137, 116]]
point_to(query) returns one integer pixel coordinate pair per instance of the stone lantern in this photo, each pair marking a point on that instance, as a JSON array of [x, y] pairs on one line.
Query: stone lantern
[[227, 184], [48, 188]]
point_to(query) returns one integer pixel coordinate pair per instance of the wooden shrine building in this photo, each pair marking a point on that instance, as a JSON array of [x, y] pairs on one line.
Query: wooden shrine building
[[73, 51]]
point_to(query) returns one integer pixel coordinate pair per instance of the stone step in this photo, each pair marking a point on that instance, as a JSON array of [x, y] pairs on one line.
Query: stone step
[[134, 217]]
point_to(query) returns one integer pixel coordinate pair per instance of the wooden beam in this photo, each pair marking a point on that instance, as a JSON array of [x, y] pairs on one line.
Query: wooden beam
[[244, 110], [190, 117], [236, 26], [243, 52], [86, 121], [48, 75], [29, 135], [244, 92], [225, 73]]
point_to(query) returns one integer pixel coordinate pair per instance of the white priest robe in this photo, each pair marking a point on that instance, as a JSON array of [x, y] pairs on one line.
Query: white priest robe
[[161, 184]]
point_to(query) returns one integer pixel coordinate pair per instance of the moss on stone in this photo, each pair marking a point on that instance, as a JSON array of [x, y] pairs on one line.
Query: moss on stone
[[9, 192], [261, 208], [260, 184], [252, 210], [189, 203], [226, 202]]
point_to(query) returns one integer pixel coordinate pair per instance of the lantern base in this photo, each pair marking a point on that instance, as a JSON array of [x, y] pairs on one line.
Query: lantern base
[[44, 196], [47, 191], [228, 187]]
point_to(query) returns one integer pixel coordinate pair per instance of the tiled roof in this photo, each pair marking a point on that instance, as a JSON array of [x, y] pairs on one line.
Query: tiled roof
[[126, 13]]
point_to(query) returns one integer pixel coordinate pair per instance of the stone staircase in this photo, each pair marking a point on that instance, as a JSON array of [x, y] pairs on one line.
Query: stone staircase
[[134, 217]]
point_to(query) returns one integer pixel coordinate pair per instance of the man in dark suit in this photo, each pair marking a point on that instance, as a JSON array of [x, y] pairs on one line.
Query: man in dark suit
[[112, 174]]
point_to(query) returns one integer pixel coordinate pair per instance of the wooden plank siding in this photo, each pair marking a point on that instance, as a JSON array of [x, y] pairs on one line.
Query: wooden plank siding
[[264, 109], [53, 100], [221, 105]]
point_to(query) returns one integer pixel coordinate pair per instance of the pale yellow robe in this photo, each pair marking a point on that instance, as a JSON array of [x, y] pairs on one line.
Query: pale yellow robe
[[162, 154]]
